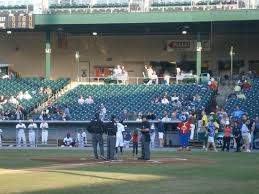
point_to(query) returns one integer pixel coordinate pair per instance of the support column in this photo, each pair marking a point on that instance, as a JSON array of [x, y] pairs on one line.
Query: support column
[[48, 56], [198, 57]]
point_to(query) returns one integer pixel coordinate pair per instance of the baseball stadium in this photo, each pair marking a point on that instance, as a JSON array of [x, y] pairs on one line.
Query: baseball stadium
[[129, 96]]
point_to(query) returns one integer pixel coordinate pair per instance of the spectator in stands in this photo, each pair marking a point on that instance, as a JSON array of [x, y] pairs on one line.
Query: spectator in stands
[[19, 114], [197, 98], [44, 114], [154, 78], [1, 114], [89, 100], [7, 114], [221, 113], [66, 114], [237, 87], [125, 115], [13, 100], [174, 97], [3, 100], [51, 109], [213, 84], [246, 85], [241, 96], [27, 96], [166, 118], [232, 95], [41, 90], [237, 113], [139, 118], [251, 75], [173, 115], [176, 103], [68, 141], [20, 95], [237, 135], [48, 91], [81, 100], [102, 112], [167, 95], [164, 100]]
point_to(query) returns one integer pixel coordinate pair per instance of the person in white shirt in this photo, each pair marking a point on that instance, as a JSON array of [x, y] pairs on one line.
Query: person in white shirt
[[119, 137], [81, 100], [246, 136], [44, 136], [32, 135], [84, 138], [174, 97], [27, 96], [13, 100], [102, 112], [89, 100], [154, 77], [20, 127], [68, 141], [166, 118], [164, 100], [152, 135], [20, 95]]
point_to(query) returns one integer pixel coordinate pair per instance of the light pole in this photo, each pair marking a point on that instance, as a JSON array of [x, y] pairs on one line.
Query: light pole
[[77, 55], [231, 53]]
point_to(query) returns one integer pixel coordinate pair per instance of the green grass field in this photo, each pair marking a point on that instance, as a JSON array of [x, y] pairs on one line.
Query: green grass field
[[230, 173]]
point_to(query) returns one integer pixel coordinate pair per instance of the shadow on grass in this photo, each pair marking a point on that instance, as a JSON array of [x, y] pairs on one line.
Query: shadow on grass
[[90, 176]]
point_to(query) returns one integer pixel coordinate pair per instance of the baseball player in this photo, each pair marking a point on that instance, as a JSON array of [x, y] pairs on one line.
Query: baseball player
[[84, 138], [119, 136], [32, 135], [44, 136], [152, 135], [1, 131], [68, 141], [20, 127]]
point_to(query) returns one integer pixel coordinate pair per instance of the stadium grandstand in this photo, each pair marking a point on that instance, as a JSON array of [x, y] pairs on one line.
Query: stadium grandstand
[[65, 60]]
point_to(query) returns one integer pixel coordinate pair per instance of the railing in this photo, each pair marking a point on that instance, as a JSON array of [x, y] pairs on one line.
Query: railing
[[185, 78], [37, 7]]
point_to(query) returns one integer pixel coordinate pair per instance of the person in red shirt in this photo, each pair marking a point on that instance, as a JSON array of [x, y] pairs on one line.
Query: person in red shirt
[[227, 136], [184, 129], [246, 85], [134, 140]]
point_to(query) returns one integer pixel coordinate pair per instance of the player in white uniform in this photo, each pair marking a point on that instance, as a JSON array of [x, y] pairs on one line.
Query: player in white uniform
[[20, 127], [84, 138], [32, 135], [152, 135], [68, 141], [44, 136], [1, 131], [119, 137]]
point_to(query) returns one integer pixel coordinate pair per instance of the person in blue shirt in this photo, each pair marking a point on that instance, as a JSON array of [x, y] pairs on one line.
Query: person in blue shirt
[[237, 113]]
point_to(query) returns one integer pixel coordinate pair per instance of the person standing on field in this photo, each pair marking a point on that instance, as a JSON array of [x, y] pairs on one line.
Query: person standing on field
[[145, 139], [32, 135], [20, 127], [96, 129], [44, 133]]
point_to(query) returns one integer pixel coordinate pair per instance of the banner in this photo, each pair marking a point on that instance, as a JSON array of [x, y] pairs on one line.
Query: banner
[[186, 45]]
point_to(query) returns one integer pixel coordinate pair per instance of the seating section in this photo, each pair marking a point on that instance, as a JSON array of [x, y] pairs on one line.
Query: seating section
[[250, 105], [134, 98], [12, 87]]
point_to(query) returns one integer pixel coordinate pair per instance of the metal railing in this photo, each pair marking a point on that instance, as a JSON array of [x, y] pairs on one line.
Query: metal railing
[[92, 6], [141, 80]]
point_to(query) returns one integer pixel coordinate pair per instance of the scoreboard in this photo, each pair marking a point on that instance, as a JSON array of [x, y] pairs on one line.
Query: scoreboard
[[17, 21]]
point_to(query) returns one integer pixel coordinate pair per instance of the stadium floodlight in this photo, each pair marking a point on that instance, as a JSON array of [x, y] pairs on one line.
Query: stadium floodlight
[[95, 33], [184, 32], [9, 32]]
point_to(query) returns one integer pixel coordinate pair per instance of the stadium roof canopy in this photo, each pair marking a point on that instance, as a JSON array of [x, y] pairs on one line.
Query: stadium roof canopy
[[238, 21]]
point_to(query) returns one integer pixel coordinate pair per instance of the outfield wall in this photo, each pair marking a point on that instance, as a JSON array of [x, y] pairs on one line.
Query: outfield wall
[[26, 51]]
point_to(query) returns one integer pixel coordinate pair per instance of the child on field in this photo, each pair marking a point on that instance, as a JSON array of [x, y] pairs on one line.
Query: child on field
[[134, 140]]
